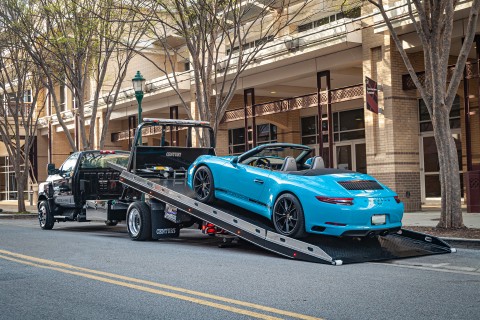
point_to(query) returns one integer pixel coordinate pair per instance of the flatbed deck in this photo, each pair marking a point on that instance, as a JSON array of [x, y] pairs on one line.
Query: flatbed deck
[[259, 231]]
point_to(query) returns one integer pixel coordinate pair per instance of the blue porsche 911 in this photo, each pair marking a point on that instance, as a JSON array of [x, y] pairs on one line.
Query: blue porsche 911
[[285, 184]]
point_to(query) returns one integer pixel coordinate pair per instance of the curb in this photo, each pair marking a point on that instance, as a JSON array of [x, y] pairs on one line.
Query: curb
[[18, 216], [463, 243]]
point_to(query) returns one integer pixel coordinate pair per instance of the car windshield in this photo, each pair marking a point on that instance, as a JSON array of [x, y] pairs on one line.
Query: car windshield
[[277, 154], [98, 160]]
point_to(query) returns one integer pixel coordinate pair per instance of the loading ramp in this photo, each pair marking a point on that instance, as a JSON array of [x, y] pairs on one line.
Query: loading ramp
[[314, 248]]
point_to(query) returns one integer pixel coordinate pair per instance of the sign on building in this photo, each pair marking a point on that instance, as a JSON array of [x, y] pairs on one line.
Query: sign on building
[[371, 95]]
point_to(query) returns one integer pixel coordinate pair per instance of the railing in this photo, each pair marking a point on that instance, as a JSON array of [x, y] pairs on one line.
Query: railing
[[306, 101], [471, 72], [26, 106]]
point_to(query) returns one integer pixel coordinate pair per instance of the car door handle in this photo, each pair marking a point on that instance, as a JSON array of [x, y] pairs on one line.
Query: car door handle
[[258, 181]]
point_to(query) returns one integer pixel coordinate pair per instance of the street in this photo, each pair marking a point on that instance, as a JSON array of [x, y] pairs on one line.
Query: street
[[90, 271]]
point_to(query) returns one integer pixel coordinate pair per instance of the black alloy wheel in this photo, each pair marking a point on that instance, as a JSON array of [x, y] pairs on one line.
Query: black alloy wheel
[[288, 218], [203, 185]]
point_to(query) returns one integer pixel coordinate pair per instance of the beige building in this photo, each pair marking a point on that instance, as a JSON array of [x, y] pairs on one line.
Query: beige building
[[333, 53]]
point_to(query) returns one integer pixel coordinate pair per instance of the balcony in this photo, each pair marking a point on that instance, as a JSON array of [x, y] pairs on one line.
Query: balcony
[[301, 102]]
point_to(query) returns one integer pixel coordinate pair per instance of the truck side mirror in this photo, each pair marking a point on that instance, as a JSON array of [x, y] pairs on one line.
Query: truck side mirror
[[51, 169]]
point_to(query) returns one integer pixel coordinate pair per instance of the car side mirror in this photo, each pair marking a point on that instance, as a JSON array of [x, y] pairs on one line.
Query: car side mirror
[[51, 169], [234, 161]]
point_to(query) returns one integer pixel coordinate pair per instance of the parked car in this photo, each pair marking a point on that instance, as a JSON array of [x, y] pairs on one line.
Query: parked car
[[285, 184]]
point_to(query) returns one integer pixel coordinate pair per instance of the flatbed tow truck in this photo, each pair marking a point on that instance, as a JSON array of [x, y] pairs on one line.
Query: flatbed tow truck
[[160, 204]]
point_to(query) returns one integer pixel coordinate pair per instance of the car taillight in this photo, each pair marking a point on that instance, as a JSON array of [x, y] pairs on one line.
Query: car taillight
[[107, 152], [397, 199], [331, 200]]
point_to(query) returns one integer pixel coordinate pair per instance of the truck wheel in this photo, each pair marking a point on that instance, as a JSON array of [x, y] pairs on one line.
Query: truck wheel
[[203, 185], [288, 218], [45, 217], [139, 222]]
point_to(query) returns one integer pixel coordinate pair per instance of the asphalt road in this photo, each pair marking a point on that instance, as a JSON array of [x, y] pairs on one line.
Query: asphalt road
[[89, 271]]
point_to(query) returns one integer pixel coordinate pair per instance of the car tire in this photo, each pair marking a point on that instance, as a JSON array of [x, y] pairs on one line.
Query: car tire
[[203, 185], [287, 216], [139, 223], [45, 216]]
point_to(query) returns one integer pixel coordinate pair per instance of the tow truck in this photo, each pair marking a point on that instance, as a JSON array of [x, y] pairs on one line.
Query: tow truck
[[156, 203]]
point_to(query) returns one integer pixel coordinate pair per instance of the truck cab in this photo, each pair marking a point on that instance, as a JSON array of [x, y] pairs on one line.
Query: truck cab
[[83, 183]]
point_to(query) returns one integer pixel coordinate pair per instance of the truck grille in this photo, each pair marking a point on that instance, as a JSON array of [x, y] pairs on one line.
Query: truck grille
[[361, 185]]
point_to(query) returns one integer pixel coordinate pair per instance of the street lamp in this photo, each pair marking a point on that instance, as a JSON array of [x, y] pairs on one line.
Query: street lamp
[[138, 83]]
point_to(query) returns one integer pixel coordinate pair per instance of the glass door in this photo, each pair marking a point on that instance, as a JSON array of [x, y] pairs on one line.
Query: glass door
[[430, 168], [351, 156]]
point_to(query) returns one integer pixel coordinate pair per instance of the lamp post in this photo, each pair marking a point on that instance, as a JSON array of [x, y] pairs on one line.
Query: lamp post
[[138, 83]]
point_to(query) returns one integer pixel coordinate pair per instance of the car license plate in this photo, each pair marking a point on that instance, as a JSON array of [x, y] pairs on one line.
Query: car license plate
[[379, 219]]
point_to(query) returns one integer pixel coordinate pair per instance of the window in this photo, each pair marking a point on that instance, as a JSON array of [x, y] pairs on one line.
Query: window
[[63, 99], [266, 133], [352, 14], [347, 125], [426, 122], [69, 164], [252, 44], [27, 96]]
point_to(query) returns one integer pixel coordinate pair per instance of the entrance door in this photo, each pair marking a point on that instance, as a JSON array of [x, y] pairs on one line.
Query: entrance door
[[430, 168], [351, 155]]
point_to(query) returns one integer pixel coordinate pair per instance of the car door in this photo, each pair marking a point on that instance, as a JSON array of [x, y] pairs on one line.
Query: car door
[[245, 184], [62, 182]]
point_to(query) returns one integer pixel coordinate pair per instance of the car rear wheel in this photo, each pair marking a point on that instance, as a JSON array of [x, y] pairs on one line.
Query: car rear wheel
[[139, 221], [288, 218], [203, 185], [45, 216]]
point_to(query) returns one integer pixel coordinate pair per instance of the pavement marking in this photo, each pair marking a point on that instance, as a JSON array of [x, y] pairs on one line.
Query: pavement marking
[[100, 276], [430, 267]]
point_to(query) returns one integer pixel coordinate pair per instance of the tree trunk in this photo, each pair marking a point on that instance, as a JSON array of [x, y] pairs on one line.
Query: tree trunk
[[20, 193], [451, 215]]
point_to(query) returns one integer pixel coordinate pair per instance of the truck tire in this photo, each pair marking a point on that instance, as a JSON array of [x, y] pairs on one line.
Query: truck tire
[[139, 223], [45, 216]]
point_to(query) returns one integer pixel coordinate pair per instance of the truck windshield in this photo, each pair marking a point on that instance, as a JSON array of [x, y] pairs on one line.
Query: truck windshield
[[97, 160]]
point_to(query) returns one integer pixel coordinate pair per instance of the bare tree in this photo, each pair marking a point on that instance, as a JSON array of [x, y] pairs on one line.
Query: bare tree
[[83, 45], [219, 38], [433, 21], [21, 103]]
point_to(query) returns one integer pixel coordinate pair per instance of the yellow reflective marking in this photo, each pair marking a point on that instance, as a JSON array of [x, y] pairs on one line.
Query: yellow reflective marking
[[74, 270]]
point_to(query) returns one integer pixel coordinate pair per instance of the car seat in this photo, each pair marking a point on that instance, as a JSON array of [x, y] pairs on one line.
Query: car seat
[[317, 163], [289, 164]]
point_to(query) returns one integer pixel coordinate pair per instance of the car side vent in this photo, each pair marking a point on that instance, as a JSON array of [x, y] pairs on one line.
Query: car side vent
[[361, 185]]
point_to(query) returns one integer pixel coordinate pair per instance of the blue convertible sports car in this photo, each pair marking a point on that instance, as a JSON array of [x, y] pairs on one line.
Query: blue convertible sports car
[[285, 184]]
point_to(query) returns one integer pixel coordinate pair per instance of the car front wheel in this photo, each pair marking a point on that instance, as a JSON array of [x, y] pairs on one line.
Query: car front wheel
[[288, 218], [45, 216], [203, 185]]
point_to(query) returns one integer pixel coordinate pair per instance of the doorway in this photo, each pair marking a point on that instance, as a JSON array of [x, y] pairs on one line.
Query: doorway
[[351, 155], [430, 168]]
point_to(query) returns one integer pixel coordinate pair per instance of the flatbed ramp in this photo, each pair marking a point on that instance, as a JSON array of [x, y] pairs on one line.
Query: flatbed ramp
[[321, 249]]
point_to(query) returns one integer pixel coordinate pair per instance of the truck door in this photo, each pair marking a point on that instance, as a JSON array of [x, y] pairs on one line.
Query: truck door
[[62, 182]]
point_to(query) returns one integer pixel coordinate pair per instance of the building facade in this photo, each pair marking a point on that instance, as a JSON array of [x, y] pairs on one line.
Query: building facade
[[312, 75]]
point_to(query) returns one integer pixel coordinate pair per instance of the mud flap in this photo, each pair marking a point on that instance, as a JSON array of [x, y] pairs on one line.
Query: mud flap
[[161, 227]]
